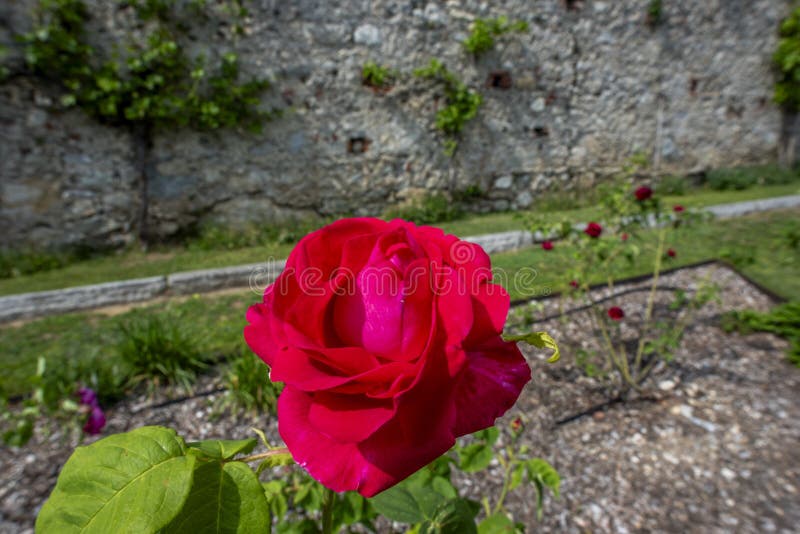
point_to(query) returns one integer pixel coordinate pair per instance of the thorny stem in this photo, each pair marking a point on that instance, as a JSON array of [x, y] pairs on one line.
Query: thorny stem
[[611, 354], [264, 455], [662, 235], [507, 465], [328, 500]]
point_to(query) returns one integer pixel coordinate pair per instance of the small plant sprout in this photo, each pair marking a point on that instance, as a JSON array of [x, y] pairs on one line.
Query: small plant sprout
[[484, 31]]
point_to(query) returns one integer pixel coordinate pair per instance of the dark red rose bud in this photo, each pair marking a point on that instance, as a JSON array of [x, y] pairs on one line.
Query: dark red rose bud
[[516, 424], [616, 313], [643, 193], [671, 253], [547, 245], [574, 284], [593, 230], [678, 208], [624, 237]]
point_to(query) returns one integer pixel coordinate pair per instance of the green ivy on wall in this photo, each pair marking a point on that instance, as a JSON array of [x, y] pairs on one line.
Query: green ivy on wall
[[462, 103], [787, 63], [149, 82], [484, 31]]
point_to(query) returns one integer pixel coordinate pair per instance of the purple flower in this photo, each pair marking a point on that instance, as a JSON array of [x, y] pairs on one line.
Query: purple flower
[[88, 397], [95, 422]]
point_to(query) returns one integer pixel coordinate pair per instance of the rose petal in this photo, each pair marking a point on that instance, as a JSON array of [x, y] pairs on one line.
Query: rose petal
[[348, 418], [490, 303], [493, 378], [337, 465]]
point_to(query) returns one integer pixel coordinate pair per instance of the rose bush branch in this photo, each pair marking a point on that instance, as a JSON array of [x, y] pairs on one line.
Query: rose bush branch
[[631, 219]]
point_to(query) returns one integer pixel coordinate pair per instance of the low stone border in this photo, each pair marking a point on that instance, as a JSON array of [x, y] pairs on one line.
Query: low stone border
[[260, 275]]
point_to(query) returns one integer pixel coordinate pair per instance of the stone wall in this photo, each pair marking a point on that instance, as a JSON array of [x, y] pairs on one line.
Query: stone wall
[[591, 84]]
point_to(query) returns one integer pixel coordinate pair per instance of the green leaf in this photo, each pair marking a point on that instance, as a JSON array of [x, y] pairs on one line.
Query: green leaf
[[498, 523], [398, 504], [541, 474], [475, 457], [454, 516], [273, 490], [132, 482], [443, 486], [225, 497], [516, 477], [223, 449], [489, 435], [541, 340]]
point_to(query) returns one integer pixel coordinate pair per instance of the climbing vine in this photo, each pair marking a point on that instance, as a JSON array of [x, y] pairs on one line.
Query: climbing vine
[[462, 103], [149, 82], [787, 63]]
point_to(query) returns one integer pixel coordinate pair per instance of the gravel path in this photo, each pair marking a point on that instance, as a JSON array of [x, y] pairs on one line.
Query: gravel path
[[712, 449]]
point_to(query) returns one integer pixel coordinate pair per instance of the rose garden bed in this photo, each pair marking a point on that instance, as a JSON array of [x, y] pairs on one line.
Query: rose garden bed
[[710, 445]]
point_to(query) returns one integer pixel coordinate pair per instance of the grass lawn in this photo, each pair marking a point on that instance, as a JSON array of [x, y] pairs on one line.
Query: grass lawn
[[136, 264], [760, 244]]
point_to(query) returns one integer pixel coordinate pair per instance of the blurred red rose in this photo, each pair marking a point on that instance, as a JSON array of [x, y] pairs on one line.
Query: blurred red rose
[[387, 338], [671, 253], [643, 193], [624, 237], [574, 283], [547, 245], [616, 313], [677, 208], [593, 229]]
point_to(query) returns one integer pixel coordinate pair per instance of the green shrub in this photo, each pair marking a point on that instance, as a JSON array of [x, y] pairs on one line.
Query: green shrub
[[783, 320], [740, 178], [430, 209], [15, 263], [159, 349], [248, 387], [736, 179], [213, 236], [63, 378], [673, 185]]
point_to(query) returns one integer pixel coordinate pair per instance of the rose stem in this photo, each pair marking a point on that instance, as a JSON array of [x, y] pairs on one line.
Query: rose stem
[[263, 455], [328, 500]]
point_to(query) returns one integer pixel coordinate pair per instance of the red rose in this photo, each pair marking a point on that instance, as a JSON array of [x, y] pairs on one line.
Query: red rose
[[593, 229], [678, 208], [547, 245], [616, 313], [387, 338], [574, 283], [643, 193], [671, 253], [624, 237]]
